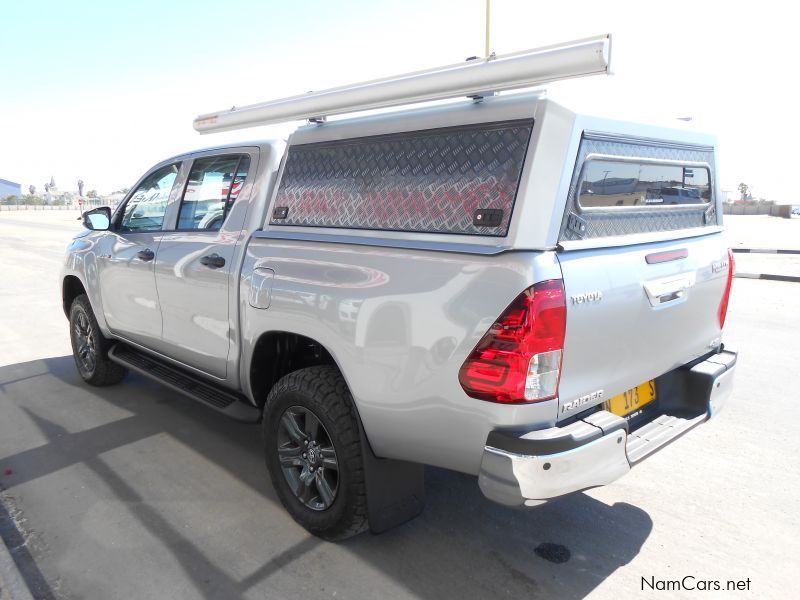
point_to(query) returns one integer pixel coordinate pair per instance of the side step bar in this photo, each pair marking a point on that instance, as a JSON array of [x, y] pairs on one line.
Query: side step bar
[[228, 403]]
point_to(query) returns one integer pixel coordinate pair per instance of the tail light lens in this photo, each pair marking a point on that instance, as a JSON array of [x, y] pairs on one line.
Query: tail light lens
[[723, 305], [519, 359]]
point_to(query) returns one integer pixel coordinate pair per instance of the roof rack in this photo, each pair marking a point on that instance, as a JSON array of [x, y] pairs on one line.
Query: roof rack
[[474, 78]]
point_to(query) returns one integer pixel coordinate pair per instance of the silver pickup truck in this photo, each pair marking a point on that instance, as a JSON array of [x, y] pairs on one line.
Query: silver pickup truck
[[498, 286]]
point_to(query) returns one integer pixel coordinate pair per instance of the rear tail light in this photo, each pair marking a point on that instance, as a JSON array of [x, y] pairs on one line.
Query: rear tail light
[[723, 305], [519, 359]]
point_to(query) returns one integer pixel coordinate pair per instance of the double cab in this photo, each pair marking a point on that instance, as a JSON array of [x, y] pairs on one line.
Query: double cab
[[499, 286]]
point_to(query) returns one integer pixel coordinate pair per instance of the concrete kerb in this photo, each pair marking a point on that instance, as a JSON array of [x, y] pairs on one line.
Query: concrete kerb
[[772, 277], [763, 251], [769, 276]]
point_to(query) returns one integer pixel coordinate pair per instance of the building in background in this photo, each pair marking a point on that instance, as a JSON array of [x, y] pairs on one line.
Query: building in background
[[110, 199], [9, 188]]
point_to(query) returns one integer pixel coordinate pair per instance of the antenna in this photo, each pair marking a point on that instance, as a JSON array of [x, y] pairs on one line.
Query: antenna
[[589, 56]]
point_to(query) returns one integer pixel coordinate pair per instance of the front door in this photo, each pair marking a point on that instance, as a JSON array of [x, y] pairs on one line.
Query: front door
[[195, 268], [126, 259]]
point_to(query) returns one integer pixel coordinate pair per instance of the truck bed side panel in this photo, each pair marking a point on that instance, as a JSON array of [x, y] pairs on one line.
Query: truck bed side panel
[[400, 323]]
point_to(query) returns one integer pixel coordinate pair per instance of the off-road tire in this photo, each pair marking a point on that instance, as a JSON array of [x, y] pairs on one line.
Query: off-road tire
[[323, 391], [84, 332]]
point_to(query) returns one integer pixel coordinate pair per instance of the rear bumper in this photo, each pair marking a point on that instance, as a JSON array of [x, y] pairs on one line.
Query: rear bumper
[[529, 469]]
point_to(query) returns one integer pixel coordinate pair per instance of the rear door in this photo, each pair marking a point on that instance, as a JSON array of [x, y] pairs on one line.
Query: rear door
[[196, 267], [645, 268]]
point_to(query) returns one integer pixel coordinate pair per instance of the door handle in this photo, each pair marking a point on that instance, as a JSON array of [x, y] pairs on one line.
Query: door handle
[[213, 261], [669, 289], [146, 255]]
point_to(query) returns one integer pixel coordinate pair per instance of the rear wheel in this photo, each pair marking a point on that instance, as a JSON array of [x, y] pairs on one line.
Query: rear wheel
[[313, 452], [90, 348], [307, 458]]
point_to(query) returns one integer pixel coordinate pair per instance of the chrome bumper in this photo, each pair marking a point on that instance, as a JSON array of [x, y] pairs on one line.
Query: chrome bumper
[[529, 469]]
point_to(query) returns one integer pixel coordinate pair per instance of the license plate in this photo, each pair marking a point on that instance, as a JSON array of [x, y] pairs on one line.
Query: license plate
[[627, 404]]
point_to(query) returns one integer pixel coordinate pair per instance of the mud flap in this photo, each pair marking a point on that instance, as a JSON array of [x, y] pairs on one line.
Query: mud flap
[[395, 489]]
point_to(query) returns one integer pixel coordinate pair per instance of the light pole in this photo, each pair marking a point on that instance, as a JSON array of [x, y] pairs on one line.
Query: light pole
[[488, 48]]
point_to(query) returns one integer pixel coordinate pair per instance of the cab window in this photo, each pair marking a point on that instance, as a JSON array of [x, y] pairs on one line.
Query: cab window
[[146, 207], [214, 185]]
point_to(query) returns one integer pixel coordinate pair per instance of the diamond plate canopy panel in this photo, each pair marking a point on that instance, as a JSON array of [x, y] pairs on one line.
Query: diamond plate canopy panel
[[425, 181], [620, 221]]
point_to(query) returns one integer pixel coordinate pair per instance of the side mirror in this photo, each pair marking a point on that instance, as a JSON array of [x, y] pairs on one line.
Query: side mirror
[[97, 219]]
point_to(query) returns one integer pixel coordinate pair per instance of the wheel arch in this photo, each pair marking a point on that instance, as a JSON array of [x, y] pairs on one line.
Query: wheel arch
[[71, 288], [272, 344], [278, 353]]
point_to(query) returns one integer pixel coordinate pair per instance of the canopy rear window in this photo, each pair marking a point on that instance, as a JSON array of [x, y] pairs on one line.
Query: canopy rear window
[[624, 186], [626, 183]]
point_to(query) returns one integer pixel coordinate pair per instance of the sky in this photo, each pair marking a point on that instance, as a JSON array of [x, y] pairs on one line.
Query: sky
[[100, 91]]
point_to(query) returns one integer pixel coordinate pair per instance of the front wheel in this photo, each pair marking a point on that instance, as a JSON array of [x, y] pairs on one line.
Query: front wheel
[[90, 348], [313, 452]]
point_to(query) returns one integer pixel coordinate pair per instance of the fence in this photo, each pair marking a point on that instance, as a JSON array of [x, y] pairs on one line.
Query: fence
[[89, 204], [776, 210]]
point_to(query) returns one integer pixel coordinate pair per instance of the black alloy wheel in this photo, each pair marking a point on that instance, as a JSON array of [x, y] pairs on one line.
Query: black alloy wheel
[[308, 458]]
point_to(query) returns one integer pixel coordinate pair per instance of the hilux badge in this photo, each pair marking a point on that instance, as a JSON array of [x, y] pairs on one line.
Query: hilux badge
[[719, 265]]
